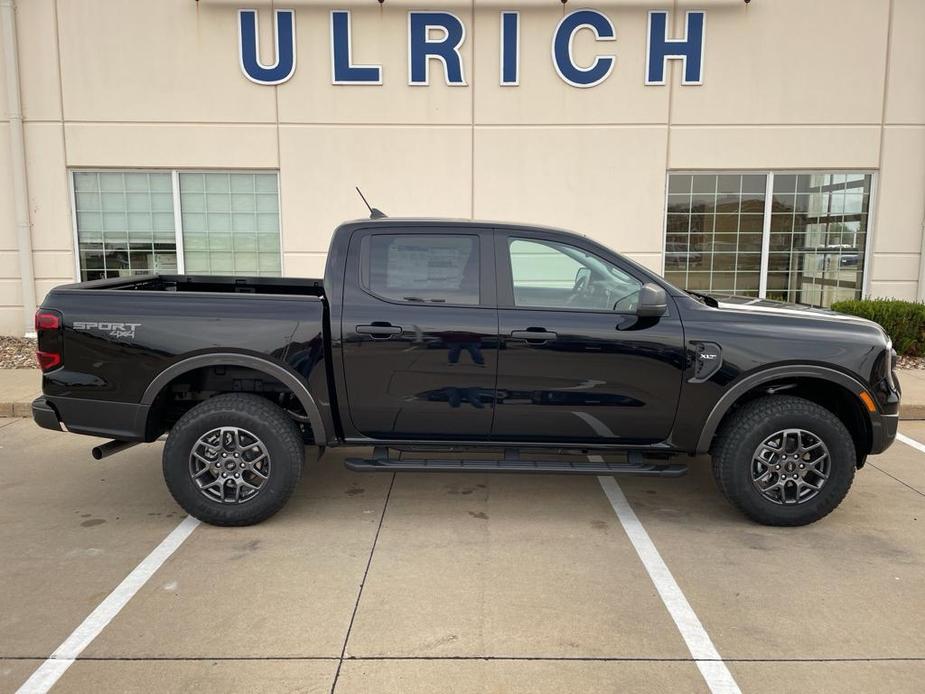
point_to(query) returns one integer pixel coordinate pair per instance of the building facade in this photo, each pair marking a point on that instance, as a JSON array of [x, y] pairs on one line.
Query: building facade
[[770, 148]]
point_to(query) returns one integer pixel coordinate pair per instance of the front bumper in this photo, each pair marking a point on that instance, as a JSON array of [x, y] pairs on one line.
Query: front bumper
[[883, 432], [45, 415]]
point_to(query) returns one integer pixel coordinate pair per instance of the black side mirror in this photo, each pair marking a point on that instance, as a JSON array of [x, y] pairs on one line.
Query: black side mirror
[[653, 301]]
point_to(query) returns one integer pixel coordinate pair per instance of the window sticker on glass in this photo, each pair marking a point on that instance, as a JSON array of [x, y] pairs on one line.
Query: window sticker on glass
[[439, 269]]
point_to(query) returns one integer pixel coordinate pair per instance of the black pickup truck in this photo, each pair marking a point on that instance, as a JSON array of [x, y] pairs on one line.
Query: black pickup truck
[[434, 336]]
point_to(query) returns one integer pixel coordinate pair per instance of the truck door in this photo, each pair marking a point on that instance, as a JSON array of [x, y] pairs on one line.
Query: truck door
[[420, 332], [577, 364]]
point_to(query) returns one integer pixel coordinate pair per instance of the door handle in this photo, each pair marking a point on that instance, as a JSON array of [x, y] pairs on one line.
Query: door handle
[[379, 331], [534, 336]]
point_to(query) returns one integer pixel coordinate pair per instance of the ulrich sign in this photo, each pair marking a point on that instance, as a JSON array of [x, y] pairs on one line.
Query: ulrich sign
[[438, 36]]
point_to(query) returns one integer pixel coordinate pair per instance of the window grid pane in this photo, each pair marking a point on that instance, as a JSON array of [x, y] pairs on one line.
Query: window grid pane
[[818, 229], [230, 223], [124, 223], [818, 237], [714, 232]]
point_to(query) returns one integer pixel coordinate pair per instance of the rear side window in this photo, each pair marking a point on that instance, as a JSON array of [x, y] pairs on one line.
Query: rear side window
[[424, 268]]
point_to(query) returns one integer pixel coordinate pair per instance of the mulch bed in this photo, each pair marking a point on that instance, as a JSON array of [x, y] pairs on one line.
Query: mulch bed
[[911, 363], [17, 353]]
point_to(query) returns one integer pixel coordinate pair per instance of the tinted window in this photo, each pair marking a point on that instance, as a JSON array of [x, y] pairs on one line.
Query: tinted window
[[554, 275], [429, 268]]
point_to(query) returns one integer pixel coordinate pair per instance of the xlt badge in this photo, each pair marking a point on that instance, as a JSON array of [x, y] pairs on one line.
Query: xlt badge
[[707, 357]]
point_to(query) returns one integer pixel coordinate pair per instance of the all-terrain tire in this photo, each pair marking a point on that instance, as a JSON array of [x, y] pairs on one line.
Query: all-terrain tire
[[279, 435], [749, 426]]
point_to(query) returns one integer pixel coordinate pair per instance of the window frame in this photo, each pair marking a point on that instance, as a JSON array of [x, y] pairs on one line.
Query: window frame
[[505, 273], [177, 209], [767, 214]]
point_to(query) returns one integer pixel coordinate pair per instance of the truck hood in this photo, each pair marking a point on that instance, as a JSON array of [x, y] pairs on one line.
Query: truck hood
[[733, 302]]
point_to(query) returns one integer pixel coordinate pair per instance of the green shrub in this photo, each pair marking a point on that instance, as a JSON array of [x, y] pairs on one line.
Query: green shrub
[[904, 321]]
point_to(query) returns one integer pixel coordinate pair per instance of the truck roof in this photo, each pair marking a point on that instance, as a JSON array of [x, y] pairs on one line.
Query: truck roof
[[455, 222]]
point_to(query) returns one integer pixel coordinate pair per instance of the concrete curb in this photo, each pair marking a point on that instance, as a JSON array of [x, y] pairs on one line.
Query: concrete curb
[[20, 408]]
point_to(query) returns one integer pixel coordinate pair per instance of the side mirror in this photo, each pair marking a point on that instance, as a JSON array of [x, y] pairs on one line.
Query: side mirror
[[653, 301]]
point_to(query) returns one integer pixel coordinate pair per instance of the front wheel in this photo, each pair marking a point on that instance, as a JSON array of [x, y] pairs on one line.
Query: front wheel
[[234, 459], [784, 460]]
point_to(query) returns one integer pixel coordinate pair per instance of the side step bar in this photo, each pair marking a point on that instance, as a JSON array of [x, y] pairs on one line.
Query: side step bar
[[636, 464]]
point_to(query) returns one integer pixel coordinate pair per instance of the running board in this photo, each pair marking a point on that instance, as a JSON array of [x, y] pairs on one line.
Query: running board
[[636, 464]]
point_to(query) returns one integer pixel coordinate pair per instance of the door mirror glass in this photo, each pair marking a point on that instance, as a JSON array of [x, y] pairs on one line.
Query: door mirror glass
[[653, 301]]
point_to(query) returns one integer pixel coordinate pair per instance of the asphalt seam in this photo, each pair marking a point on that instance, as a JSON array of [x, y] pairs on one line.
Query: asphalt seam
[[905, 484], [356, 605]]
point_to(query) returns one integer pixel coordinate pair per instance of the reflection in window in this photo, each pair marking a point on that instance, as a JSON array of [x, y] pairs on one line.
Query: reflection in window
[[818, 236], [817, 233], [230, 223], [714, 231], [547, 274], [124, 223]]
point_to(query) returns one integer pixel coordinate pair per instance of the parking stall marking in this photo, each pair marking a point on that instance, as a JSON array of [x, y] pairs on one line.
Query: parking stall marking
[[917, 445], [64, 656], [704, 653]]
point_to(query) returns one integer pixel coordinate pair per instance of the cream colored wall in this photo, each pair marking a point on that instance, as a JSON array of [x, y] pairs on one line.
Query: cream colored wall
[[787, 85], [10, 293], [901, 213]]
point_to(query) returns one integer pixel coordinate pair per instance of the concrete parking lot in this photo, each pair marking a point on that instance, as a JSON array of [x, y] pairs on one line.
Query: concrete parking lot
[[463, 583]]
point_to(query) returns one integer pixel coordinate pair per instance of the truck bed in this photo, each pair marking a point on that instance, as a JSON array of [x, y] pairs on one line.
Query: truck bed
[[210, 283], [126, 343]]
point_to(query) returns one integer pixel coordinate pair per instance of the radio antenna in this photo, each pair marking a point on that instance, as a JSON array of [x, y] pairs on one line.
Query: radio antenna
[[373, 212]]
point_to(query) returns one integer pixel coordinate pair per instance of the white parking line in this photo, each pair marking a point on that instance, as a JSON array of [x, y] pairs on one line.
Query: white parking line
[[707, 658], [51, 670], [917, 445]]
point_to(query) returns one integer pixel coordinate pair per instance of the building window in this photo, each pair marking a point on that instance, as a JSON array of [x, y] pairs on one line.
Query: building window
[[125, 223], [230, 223], [134, 222], [818, 234], [804, 243]]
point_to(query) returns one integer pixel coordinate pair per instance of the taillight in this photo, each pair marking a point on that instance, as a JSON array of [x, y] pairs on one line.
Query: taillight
[[46, 320], [47, 360], [48, 337]]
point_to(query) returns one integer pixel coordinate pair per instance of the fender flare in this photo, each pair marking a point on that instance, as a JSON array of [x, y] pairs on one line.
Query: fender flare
[[730, 397], [284, 376]]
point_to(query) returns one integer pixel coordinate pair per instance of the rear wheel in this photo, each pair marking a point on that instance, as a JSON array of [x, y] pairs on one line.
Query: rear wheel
[[784, 460], [233, 460]]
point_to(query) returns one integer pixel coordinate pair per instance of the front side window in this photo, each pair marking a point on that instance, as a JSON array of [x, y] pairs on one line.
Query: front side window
[[547, 274], [127, 223], [424, 268]]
